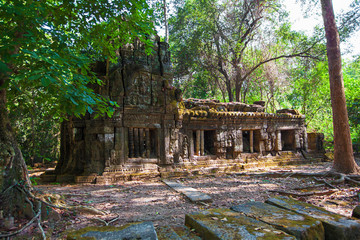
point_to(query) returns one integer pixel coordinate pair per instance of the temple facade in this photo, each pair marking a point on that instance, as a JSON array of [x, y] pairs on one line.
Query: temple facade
[[154, 127]]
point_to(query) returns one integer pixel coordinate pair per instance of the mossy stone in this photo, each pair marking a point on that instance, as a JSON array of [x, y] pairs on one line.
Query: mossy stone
[[300, 226], [336, 226], [226, 224]]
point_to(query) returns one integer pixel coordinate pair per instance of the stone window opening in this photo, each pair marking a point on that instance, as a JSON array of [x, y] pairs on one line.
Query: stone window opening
[[251, 141], [142, 143]]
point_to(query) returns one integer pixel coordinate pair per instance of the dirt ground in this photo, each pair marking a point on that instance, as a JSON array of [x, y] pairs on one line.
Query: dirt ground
[[152, 200]]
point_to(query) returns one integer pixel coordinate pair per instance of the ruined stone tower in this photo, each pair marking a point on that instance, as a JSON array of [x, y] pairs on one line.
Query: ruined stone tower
[[153, 127]]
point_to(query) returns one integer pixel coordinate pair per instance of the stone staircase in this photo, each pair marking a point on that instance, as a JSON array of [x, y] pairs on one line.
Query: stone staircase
[[137, 169], [277, 218], [248, 161]]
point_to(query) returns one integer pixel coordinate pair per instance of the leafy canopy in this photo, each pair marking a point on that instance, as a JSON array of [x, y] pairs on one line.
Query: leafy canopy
[[49, 46]]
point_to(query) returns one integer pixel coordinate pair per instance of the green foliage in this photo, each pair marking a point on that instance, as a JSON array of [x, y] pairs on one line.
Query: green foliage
[[42, 43], [231, 41], [352, 92], [34, 180], [47, 49]]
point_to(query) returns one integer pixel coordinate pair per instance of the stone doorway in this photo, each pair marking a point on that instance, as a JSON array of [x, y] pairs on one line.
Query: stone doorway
[[209, 140]]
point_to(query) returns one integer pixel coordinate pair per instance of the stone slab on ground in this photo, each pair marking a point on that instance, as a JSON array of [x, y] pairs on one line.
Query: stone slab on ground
[[336, 226], [134, 231], [300, 226], [193, 194], [225, 224]]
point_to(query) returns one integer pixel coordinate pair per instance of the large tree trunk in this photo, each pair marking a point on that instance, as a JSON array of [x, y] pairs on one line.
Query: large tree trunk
[[13, 171], [343, 154]]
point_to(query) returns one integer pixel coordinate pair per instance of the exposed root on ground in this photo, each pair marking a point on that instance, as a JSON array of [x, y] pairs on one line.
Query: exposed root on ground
[[305, 194], [337, 178], [52, 200], [107, 223]]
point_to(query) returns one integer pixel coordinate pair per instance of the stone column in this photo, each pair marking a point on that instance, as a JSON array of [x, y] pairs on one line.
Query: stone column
[[191, 144], [202, 143], [119, 145], [278, 146], [305, 141], [297, 139], [262, 147], [136, 142], [147, 142], [131, 142], [240, 140], [141, 142], [251, 141], [197, 149]]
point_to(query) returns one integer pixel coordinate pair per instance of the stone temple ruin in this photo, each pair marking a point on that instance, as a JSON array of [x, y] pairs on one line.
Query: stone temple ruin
[[154, 130]]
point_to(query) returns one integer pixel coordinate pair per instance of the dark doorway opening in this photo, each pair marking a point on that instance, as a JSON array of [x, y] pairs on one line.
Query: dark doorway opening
[[246, 141], [153, 144], [288, 140], [209, 139]]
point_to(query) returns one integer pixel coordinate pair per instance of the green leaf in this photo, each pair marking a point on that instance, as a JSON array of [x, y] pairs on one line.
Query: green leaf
[[45, 81]]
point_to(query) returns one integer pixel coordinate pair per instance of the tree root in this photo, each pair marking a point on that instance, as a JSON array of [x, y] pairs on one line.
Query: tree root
[[309, 187], [341, 178], [317, 193], [87, 209], [37, 216], [325, 182], [37, 212], [108, 222]]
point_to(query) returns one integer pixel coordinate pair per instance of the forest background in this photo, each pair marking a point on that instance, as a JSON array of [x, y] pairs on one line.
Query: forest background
[[223, 50]]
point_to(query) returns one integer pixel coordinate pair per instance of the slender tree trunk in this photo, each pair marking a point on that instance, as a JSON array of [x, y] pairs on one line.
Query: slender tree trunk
[[13, 169], [343, 154], [229, 90], [166, 22]]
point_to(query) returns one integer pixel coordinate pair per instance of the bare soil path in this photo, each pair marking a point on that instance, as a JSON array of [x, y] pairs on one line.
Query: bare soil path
[[152, 200]]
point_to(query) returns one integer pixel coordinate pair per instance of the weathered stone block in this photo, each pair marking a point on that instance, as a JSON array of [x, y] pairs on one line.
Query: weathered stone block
[[356, 212], [166, 232], [65, 178], [191, 193], [300, 226], [139, 231], [336, 226], [226, 224]]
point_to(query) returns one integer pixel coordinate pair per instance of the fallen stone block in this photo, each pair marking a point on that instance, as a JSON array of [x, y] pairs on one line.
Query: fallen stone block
[[166, 232], [186, 233], [300, 226], [336, 226], [193, 194], [133, 231], [356, 212], [225, 224]]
